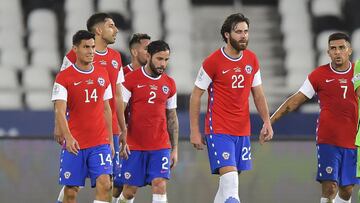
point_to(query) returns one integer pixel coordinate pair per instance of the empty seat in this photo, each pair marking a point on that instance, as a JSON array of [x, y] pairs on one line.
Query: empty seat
[[36, 79], [38, 100], [8, 79], [16, 58], [116, 6], [327, 8], [42, 20], [44, 58], [10, 100], [42, 40]]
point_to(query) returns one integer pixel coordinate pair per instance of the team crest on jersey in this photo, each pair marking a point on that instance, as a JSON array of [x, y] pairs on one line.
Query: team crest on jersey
[[329, 170], [101, 81], [226, 155], [67, 175], [165, 89], [356, 78], [127, 175], [248, 69], [115, 64]]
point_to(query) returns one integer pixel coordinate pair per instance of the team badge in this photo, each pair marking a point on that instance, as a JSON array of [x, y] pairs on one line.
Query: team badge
[[67, 175], [115, 64], [56, 89], [101, 81], [165, 89], [226, 155], [356, 78], [127, 175], [248, 69], [329, 170]]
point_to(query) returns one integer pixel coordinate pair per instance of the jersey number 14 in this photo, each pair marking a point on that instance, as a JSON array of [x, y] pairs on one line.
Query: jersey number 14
[[93, 96]]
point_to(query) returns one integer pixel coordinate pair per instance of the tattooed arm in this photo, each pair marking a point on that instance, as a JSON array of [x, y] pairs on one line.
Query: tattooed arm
[[173, 130]]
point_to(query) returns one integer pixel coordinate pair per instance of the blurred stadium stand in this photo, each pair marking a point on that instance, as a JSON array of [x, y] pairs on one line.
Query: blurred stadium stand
[[289, 37]]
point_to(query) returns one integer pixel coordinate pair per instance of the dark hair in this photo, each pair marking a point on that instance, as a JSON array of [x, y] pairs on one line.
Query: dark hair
[[95, 19], [137, 37], [81, 35], [230, 23], [157, 46], [339, 35]]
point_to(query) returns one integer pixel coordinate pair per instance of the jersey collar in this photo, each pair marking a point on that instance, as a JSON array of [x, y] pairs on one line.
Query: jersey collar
[[148, 76], [229, 57], [341, 72], [83, 71], [102, 53]]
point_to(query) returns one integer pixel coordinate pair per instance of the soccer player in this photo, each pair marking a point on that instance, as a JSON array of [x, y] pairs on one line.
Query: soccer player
[[337, 123], [356, 81], [102, 25], [153, 126], [84, 90], [137, 46], [229, 74]]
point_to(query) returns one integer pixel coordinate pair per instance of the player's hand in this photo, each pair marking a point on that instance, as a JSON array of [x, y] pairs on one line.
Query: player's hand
[[266, 133], [124, 147], [58, 137], [197, 140], [112, 148], [72, 145], [174, 157]]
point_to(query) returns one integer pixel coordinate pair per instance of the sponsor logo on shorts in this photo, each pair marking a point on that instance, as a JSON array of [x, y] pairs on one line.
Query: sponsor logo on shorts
[[226, 155], [329, 169], [127, 175], [67, 175]]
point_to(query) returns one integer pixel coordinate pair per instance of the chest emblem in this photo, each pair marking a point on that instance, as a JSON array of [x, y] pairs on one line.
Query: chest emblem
[[101, 81], [248, 69], [165, 89], [115, 64]]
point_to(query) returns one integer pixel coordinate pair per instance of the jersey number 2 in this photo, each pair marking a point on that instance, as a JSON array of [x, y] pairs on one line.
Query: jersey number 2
[[152, 97]]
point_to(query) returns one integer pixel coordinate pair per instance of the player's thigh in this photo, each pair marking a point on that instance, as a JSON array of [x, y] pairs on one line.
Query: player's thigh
[[348, 168], [221, 151], [133, 169], [329, 160], [243, 153], [116, 162], [73, 168], [99, 162], [158, 165]]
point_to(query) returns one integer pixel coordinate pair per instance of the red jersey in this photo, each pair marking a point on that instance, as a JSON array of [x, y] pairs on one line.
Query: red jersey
[[337, 122], [228, 82], [128, 68], [85, 92], [150, 97], [111, 61]]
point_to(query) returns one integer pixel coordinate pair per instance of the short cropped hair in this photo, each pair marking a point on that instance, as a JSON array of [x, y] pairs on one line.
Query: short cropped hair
[[339, 35], [137, 37], [96, 19], [157, 46], [230, 23], [82, 35]]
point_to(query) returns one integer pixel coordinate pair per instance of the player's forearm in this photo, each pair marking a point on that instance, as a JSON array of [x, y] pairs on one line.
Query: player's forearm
[[173, 127], [290, 104], [262, 108], [120, 109], [194, 113], [61, 124], [108, 120]]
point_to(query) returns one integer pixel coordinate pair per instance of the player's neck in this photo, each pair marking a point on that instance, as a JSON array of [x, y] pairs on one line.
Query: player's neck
[[230, 51], [149, 72], [100, 45], [83, 66], [135, 65], [345, 66]]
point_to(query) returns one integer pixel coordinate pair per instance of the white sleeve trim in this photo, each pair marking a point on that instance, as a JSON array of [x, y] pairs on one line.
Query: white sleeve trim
[[257, 79], [202, 80], [121, 77], [171, 103], [307, 89], [59, 92], [66, 63], [126, 94], [108, 93]]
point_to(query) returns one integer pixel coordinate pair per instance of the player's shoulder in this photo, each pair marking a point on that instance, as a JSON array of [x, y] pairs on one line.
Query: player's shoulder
[[249, 53], [321, 68], [114, 52], [168, 79]]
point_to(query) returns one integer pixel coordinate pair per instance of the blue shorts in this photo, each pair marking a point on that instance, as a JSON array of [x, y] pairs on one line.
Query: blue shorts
[[116, 162], [91, 162], [336, 164], [143, 166], [227, 150]]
